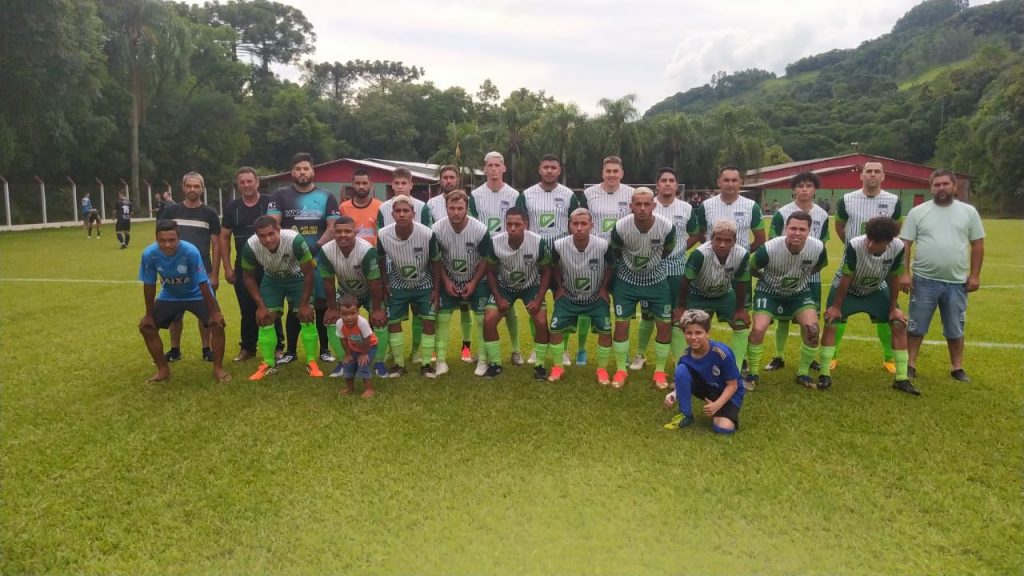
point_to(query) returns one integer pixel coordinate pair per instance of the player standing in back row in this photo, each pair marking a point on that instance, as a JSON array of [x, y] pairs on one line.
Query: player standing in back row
[[123, 219]]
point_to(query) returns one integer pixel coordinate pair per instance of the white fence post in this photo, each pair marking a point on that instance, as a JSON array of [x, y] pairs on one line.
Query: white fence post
[[74, 197], [102, 198], [7, 202], [220, 199], [149, 195], [42, 195]]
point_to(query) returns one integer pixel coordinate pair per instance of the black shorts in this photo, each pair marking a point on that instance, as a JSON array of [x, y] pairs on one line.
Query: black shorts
[[122, 225], [701, 390], [167, 311], [92, 216]]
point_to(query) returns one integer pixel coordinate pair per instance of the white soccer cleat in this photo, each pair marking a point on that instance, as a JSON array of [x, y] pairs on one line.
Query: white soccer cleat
[[566, 361], [416, 358], [638, 362], [440, 369], [533, 358], [517, 359], [481, 368]]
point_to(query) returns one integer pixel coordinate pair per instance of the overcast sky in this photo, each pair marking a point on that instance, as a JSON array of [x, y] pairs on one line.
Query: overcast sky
[[583, 50]]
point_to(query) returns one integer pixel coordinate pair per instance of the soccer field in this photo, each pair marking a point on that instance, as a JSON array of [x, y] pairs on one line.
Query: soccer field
[[103, 473]]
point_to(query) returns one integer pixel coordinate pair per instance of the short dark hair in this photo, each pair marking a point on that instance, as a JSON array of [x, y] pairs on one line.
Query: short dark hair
[[401, 173], [881, 229], [264, 221], [666, 169], [517, 211], [612, 160], [166, 226], [343, 219], [246, 170], [302, 157], [456, 196], [799, 215], [730, 167], [348, 301], [551, 158], [940, 173], [448, 168], [805, 177], [360, 172]]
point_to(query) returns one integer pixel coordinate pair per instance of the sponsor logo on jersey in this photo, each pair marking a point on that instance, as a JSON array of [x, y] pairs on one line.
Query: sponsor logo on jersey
[[559, 201], [547, 219], [716, 371], [353, 283], [418, 252], [409, 272], [493, 224], [182, 268], [640, 262], [593, 263], [517, 277], [459, 265], [582, 284], [178, 281], [607, 224], [528, 259]]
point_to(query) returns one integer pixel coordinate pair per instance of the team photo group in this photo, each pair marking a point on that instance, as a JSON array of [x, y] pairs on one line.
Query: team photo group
[[581, 263]]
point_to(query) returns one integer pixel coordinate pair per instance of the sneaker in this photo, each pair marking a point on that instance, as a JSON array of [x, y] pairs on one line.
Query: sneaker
[[286, 358], [517, 359], [481, 368], [556, 374], [440, 369], [679, 422], [173, 355], [493, 370], [208, 354], [533, 358], [338, 370], [833, 364], [262, 371], [777, 363], [467, 354], [638, 362], [381, 369], [566, 361], [750, 382], [906, 386], [890, 366], [815, 366], [959, 375], [805, 381], [397, 371], [416, 358], [824, 382], [581, 358], [602, 377], [327, 357], [539, 373], [911, 372], [427, 371], [313, 370], [619, 380], [244, 355], [660, 380]]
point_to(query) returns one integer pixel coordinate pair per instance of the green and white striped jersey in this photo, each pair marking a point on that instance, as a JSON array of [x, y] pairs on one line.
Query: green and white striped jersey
[[490, 207], [712, 278], [869, 272], [438, 207], [284, 264], [743, 211], [784, 273], [607, 208], [678, 213], [581, 270], [519, 268], [856, 208], [409, 260], [549, 211], [462, 251], [819, 225], [420, 213], [640, 255], [353, 271]]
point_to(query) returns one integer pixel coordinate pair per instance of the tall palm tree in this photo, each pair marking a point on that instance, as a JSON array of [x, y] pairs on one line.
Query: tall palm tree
[[557, 127]]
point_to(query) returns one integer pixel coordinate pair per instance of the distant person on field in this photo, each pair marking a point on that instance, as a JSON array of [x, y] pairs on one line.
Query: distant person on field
[[158, 206], [359, 344], [186, 288], [123, 218], [90, 216], [946, 267], [706, 370]]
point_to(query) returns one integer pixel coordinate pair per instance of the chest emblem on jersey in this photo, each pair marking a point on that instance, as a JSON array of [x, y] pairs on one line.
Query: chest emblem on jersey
[[607, 224], [409, 272], [730, 269], [582, 284], [182, 269], [493, 224], [528, 259], [547, 219], [623, 207], [459, 265], [679, 220], [716, 371], [641, 261], [470, 247], [353, 283], [805, 264], [738, 215], [559, 201], [516, 276], [655, 242], [418, 253], [505, 205], [593, 263]]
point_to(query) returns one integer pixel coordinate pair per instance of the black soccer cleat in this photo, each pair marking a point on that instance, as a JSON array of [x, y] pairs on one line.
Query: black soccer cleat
[[824, 382], [539, 373], [777, 363], [493, 370], [805, 381], [906, 386]]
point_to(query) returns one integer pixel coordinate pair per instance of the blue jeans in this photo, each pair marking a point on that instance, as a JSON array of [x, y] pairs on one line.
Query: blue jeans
[[948, 297]]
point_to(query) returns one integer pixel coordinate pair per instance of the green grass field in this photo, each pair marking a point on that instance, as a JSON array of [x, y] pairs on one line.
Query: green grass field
[[102, 473]]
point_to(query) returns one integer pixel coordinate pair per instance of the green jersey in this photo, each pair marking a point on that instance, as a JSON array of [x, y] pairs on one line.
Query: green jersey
[[490, 207], [548, 211], [581, 271], [605, 207], [420, 213], [711, 277], [285, 263], [819, 225], [785, 273], [856, 208], [869, 271], [353, 271], [640, 255], [409, 259], [519, 268], [461, 252], [743, 211]]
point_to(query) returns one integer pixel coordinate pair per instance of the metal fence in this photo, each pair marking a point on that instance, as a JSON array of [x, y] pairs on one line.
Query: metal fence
[[44, 203]]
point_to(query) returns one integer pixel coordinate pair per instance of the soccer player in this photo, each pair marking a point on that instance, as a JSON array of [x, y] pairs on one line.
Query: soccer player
[[123, 219], [199, 225], [239, 216], [607, 202], [449, 177], [640, 243], [408, 251], [707, 370], [716, 280], [186, 288], [853, 211], [582, 266], [668, 205], [288, 273], [784, 266], [547, 205], [519, 269], [355, 264], [464, 244], [90, 216], [867, 284], [359, 347], [804, 186], [489, 203], [305, 207], [945, 231], [363, 208]]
